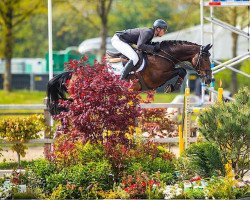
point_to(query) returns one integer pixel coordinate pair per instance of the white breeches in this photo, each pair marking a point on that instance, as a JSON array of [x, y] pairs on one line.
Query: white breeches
[[125, 49]]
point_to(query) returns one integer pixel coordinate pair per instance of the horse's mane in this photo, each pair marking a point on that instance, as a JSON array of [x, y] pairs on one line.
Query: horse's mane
[[177, 42]]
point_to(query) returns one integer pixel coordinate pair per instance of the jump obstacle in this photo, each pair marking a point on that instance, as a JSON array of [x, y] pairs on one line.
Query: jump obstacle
[[184, 128]]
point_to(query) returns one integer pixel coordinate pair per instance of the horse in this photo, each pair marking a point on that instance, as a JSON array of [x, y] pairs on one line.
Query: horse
[[160, 67]]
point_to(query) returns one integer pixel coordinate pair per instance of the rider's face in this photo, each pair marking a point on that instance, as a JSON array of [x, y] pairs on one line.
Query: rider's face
[[161, 32]]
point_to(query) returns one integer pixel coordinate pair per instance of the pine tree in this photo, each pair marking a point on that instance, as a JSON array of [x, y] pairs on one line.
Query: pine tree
[[228, 126]]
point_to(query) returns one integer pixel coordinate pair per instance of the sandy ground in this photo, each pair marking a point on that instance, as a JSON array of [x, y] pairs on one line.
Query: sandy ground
[[38, 152], [32, 153]]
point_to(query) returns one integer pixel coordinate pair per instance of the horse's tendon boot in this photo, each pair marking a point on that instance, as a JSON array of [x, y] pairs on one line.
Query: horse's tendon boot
[[178, 83], [171, 88]]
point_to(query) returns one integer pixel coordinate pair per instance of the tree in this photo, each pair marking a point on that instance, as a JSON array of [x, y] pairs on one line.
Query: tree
[[96, 13], [20, 131], [236, 16], [142, 14], [228, 126], [12, 13]]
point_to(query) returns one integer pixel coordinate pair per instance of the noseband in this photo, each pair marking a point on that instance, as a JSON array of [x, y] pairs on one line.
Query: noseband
[[198, 64]]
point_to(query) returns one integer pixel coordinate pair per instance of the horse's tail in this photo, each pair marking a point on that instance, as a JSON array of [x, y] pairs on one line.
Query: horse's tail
[[56, 89]]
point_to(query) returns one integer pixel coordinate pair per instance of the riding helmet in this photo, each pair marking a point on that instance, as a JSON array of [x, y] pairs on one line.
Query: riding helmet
[[160, 23]]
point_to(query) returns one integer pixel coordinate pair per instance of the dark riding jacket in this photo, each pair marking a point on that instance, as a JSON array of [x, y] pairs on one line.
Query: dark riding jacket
[[141, 37]]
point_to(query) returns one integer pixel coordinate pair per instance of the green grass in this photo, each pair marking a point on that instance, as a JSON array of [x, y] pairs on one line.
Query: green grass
[[162, 97], [22, 97], [36, 97]]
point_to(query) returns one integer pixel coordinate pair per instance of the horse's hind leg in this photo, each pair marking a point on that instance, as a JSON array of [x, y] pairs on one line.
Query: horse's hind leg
[[181, 73]]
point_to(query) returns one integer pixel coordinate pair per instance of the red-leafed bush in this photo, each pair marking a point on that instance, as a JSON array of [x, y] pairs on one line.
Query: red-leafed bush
[[98, 103]]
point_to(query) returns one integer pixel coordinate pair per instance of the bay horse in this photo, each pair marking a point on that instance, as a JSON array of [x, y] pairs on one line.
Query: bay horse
[[160, 68]]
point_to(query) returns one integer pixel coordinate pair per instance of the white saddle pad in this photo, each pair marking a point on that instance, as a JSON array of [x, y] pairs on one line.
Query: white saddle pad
[[117, 67]]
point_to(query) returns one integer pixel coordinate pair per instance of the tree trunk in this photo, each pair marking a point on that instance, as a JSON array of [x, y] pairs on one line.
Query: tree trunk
[[8, 50], [19, 160], [234, 83], [103, 39], [103, 12]]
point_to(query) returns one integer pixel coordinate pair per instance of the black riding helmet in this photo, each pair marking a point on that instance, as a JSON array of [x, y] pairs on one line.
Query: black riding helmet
[[160, 23]]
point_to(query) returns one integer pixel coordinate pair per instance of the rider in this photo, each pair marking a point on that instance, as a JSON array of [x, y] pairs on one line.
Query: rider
[[141, 37]]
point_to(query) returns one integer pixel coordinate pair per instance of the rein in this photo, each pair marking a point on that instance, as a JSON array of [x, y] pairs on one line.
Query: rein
[[197, 67]]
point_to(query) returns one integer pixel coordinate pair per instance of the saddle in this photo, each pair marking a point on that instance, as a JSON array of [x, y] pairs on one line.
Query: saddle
[[115, 57]]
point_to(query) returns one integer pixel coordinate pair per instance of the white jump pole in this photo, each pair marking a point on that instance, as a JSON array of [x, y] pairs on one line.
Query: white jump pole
[[50, 39], [50, 45]]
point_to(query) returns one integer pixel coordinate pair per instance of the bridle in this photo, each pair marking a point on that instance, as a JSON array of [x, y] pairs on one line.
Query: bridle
[[197, 66]]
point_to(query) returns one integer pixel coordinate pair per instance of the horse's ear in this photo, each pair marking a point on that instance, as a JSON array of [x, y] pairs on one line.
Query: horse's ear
[[207, 47]]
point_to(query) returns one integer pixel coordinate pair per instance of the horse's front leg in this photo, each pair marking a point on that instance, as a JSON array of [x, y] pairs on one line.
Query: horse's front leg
[[136, 86], [181, 73]]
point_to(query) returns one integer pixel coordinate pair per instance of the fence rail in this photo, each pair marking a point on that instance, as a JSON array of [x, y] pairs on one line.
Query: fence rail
[[143, 105], [33, 141], [22, 107]]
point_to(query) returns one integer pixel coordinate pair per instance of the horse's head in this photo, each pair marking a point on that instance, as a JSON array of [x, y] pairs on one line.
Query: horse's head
[[201, 63]]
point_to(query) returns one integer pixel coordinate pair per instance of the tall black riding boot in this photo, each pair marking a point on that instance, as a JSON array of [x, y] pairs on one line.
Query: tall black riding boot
[[171, 88], [128, 67]]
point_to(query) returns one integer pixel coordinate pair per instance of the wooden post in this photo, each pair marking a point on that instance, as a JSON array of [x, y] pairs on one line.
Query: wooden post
[[47, 132]]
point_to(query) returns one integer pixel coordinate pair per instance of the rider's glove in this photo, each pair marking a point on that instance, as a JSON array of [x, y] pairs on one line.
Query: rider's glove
[[157, 47]]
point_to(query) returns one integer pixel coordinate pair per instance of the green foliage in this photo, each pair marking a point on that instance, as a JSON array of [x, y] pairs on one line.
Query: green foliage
[[205, 159], [24, 195], [225, 188], [80, 21], [228, 126], [226, 77], [38, 172], [151, 158], [90, 153], [20, 130], [184, 169], [194, 194], [14, 165], [80, 176], [138, 14]]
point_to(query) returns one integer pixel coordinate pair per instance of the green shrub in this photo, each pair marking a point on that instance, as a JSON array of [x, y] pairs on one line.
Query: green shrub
[[152, 159], [194, 194], [225, 188], [205, 159], [89, 152], [38, 172], [14, 165], [21, 130], [81, 176], [24, 195], [228, 126]]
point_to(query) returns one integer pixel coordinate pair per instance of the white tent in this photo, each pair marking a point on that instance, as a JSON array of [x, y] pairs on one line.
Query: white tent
[[93, 45], [222, 40]]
